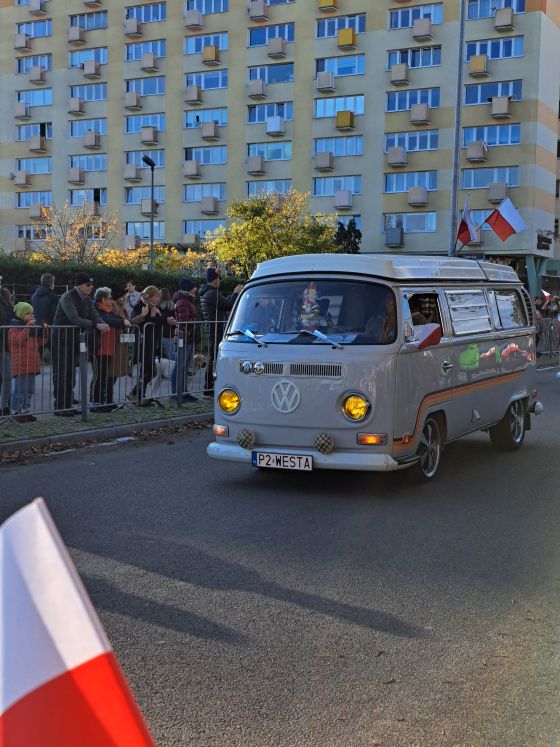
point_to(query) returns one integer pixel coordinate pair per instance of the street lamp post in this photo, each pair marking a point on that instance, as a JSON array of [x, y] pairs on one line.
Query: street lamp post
[[149, 162], [457, 132]]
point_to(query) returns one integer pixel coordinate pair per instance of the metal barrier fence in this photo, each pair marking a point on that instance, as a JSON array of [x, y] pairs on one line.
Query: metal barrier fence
[[66, 372], [548, 337]]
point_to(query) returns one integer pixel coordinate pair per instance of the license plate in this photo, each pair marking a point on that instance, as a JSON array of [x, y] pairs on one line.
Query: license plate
[[282, 461]]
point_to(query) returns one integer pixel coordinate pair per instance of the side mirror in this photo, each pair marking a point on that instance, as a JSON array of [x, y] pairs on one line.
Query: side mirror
[[430, 334]]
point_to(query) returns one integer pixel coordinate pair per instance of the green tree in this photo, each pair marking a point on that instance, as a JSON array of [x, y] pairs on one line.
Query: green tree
[[348, 238], [269, 226]]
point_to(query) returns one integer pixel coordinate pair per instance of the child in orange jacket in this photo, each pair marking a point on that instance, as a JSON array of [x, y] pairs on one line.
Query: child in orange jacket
[[25, 341]]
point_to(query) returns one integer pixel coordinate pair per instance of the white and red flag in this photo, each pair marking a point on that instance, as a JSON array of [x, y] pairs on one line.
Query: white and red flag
[[60, 682], [467, 230], [505, 220]]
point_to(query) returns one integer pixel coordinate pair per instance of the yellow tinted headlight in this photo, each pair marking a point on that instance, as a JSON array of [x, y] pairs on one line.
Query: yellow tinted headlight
[[355, 407], [229, 401]]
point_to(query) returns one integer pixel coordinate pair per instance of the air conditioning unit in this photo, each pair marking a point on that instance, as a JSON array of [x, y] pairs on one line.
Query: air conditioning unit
[[209, 206], [22, 42], [91, 69], [191, 170], [22, 112], [345, 120], [149, 135], [497, 192], [76, 106], [399, 74], [76, 36], [342, 199], [21, 179], [276, 47], [132, 28], [258, 10], [256, 89], [422, 30], [146, 207], [211, 55], [417, 196], [131, 241], [210, 131], [328, 6], [478, 66], [325, 82], [346, 39], [37, 75], [324, 161], [92, 140], [503, 20], [477, 151], [35, 211], [93, 207], [394, 236], [194, 20], [275, 126], [193, 95], [396, 157], [500, 107], [255, 165], [132, 101], [37, 7], [37, 144], [149, 63], [75, 175], [22, 245], [420, 114], [131, 173]]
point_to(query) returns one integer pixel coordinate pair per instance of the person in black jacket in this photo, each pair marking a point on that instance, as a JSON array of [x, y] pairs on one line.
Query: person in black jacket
[[44, 300], [7, 317], [75, 313], [215, 309]]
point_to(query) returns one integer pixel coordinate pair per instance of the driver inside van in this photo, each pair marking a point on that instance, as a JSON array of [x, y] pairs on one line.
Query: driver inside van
[[382, 326]]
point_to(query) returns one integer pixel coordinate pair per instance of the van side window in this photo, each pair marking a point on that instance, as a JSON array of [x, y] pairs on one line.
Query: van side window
[[469, 312], [424, 308], [510, 308]]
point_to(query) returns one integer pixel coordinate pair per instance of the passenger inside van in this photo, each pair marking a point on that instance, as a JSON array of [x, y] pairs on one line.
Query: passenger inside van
[[424, 309]]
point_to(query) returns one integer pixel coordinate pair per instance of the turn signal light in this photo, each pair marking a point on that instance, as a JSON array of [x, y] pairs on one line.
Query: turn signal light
[[221, 430], [229, 401], [372, 439]]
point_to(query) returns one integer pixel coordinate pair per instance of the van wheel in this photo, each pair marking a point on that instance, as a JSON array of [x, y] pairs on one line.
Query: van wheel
[[429, 450], [509, 433]]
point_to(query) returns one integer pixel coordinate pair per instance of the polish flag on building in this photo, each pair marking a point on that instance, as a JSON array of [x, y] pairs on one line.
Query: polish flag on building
[[467, 230], [60, 682], [505, 220]]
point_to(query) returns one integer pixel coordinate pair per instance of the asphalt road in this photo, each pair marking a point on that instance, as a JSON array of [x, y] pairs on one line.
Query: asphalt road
[[323, 610]]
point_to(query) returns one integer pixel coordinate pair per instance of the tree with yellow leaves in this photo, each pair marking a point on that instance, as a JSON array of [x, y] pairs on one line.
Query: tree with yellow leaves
[[269, 226]]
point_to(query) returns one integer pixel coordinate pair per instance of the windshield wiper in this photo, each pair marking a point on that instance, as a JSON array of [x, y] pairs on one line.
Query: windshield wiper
[[249, 334], [317, 334]]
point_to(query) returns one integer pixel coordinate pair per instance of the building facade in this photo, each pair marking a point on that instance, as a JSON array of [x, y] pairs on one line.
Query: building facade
[[357, 102]]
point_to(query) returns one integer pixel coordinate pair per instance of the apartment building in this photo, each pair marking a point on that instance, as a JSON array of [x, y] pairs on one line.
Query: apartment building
[[354, 101]]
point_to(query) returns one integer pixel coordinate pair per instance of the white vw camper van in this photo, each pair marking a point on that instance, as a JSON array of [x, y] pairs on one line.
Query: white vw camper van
[[373, 362]]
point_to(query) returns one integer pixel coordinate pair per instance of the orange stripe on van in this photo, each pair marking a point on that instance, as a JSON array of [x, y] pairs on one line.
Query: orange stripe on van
[[445, 395]]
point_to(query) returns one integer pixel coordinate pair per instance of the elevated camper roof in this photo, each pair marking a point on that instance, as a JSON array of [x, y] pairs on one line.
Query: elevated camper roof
[[400, 268]]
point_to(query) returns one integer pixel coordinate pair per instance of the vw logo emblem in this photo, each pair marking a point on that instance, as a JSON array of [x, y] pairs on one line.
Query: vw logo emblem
[[285, 396]]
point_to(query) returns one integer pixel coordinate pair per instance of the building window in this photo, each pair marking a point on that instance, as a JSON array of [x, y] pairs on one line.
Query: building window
[[89, 162], [328, 28], [269, 186], [135, 157], [483, 93], [261, 112], [34, 165], [328, 107], [194, 119], [412, 141], [90, 21], [345, 220], [350, 145], [80, 126], [208, 81], [79, 197], [36, 97], [35, 29], [27, 131], [403, 181], [354, 64], [279, 151], [487, 8], [421, 57], [148, 13], [136, 50], [26, 199], [283, 73], [411, 222], [80, 56], [142, 229], [261, 35], [506, 134], [89, 92], [399, 101], [24, 64], [497, 49], [482, 178], [208, 6], [405, 17], [135, 195], [135, 122], [201, 227], [34, 232], [211, 155], [195, 44], [147, 86], [197, 192], [324, 186]]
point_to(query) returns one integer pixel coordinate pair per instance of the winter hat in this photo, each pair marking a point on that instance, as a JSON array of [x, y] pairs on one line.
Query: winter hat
[[211, 274], [82, 277], [117, 291], [22, 308], [186, 284]]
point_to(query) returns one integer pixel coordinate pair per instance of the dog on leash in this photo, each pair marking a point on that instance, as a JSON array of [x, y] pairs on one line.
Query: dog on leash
[[164, 367], [198, 361]]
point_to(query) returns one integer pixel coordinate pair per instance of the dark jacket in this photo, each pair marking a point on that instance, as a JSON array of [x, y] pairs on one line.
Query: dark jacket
[[6, 318], [74, 311], [151, 327], [44, 302], [214, 304], [186, 311]]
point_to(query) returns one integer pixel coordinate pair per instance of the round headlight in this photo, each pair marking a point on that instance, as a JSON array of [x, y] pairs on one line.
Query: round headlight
[[355, 407], [229, 401]]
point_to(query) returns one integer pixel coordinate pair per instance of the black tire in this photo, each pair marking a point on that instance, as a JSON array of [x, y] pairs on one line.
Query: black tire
[[509, 433], [429, 450]]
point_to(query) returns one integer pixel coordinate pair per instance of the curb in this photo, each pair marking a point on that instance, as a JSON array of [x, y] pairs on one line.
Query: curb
[[105, 432]]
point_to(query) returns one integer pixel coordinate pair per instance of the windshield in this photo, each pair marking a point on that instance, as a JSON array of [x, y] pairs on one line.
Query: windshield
[[348, 312]]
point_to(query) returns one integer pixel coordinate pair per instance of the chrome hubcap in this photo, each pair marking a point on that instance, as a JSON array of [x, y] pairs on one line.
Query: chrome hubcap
[[430, 448], [516, 420]]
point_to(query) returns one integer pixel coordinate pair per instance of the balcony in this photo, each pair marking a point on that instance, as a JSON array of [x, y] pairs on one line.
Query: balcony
[[22, 179], [191, 170], [477, 151], [275, 126], [132, 28], [76, 107], [193, 95], [324, 161], [194, 20], [396, 157], [478, 66], [417, 196], [22, 43], [37, 8], [131, 241], [22, 245], [37, 75], [149, 135], [37, 144], [149, 63], [36, 211], [258, 10], [191, 239], [210, 55], [422, 30], [75, 175], [500, 107], [342, 199], [94, 208], [503, 20], [479, 238], [328, 6], [209, 206], [399, 74], [22, 112], [420, 114], [131, 173], [325, 82], [92, 140], [210, 131], [146, 207], [346, 39], [132, 101], [394, 236], [255, 165], [91, 69], [93, 4], [256, 89], [497, 192], [345, 120], [76, 36], [276, 48]]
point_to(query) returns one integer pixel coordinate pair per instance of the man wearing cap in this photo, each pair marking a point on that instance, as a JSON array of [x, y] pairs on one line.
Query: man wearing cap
[[215, 308], [187, 318], [75, 313]]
